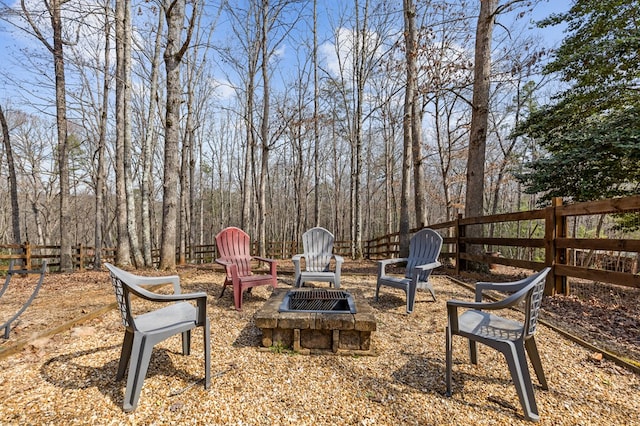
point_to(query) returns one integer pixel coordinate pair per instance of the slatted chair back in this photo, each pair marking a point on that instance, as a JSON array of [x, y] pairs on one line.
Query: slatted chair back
[[234, 246], [318, 247], [424, 248]]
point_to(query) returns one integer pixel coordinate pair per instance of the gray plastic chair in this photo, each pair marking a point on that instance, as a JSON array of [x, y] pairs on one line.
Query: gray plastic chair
[[424, 249], [513, 338], [144, 331], [317, 244]]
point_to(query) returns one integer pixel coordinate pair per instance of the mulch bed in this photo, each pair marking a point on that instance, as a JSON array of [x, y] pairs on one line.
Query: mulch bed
[[69, 377]]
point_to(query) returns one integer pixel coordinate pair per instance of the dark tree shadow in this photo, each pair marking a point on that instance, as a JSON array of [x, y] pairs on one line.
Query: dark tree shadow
[[67, 371]]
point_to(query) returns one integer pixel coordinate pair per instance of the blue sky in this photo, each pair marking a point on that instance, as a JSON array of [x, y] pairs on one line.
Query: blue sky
[[11, 41]]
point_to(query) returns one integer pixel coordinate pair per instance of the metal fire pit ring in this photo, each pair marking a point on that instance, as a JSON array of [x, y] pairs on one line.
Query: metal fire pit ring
[[318, 300]]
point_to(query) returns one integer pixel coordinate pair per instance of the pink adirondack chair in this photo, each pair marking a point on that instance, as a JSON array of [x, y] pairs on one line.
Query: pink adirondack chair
[[235, 255]]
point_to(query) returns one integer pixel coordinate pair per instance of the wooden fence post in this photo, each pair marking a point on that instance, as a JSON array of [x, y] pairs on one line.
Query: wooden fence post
[[27, 255], [461, 264], [555, 227], [81, 251], [560, 282]]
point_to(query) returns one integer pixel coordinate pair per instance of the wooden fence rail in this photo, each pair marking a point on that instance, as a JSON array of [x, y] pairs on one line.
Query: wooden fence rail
[[545, 242]]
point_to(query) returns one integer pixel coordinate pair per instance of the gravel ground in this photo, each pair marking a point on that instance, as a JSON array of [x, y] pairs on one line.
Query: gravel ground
[[69, 378]]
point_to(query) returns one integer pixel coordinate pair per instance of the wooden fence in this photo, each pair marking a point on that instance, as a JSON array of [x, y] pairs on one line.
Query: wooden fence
[[528, 240], [546, 243]]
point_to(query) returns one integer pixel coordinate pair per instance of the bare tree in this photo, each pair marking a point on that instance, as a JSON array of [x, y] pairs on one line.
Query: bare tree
[[474, 199], [13, 181], [123, 248], [33, 142], [316, 119], [56, 47], [410, 126], [125, 206], [174, 12], [100, 173]]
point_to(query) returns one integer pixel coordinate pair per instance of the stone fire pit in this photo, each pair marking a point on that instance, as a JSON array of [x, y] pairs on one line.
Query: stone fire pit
[[309, 331]]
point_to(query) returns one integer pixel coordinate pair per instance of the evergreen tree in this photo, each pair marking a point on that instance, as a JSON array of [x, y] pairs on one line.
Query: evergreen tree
[[591, 130]]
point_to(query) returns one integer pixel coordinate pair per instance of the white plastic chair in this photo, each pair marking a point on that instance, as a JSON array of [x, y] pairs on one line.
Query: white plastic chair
[[513, 338], [317, 244], [144, 331]]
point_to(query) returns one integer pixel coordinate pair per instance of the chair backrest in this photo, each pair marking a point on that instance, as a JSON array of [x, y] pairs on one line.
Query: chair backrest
[[533, 302], [318, 248], [233, 245], [424, 248], [118, 276]]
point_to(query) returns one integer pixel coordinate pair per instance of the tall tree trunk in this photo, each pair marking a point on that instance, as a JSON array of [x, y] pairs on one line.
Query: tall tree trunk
[[100, 174], [174, 13], [316, 132], [174, 52], [361, 50], [411, 51], [13, 182], [407, 126], [264, 132], [123, 248], [248, 154], [66, 257], [479, 120], [185, 182], [132, 224], [147, 145]]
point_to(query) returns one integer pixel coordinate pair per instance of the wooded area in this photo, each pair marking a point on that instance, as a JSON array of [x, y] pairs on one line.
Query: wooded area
[[174, 119], [559, 236]]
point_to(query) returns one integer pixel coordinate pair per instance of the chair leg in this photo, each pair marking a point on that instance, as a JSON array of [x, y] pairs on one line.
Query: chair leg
[[473, 352], [237, 298], [430, 288], [186, 342], [449, 360], [125, 354], [207, 354], [140, 357], [517, 361], [411, 296], [377, 290], [224, 287], [534, 356]]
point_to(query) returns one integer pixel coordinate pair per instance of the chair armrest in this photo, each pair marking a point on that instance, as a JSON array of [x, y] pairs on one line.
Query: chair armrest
[[382, 264], [155, 297], [137, 280], [426, 267], [500, 304], [296, 263], [386, 262], [453, 305], [230, 268], [152, 281], [272, 264], [199, 297], [506, 287], [264, 259], [339, 261], [223, 262], [297, 258]]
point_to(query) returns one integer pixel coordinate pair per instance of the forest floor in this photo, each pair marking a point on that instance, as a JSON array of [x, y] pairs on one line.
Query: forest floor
[[71, 328], [605, 316]]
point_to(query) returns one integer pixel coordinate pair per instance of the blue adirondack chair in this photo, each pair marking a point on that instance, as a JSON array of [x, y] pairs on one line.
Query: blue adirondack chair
[[424, 249]]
